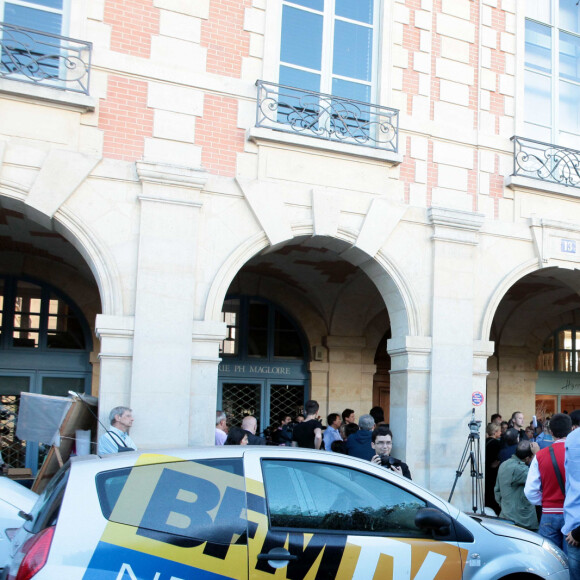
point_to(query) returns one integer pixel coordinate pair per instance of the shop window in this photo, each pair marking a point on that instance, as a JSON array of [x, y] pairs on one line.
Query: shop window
[[561, 351]]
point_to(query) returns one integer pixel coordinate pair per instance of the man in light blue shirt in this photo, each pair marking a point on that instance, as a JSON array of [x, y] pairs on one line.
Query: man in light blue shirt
[[332, 433], [117, 437], [571, 529]]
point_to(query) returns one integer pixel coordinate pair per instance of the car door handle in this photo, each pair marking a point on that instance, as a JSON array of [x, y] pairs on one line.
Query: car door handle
[[278, 555]]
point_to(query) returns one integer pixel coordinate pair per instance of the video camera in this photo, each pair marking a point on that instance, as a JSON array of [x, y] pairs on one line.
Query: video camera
[[473, 424]]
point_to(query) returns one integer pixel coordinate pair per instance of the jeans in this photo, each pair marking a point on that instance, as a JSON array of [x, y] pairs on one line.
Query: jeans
[[574, 562], [551, 529]]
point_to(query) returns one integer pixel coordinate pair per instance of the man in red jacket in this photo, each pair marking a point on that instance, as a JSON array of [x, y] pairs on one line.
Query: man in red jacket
[[546, 482]]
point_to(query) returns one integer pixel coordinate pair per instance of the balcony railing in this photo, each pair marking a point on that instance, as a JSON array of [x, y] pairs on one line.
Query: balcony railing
[[328, 117], [546, 162], [32, 56]]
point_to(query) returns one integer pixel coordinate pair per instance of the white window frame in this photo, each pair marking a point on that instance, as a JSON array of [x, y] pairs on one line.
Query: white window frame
[[275, 25], [558, 136]]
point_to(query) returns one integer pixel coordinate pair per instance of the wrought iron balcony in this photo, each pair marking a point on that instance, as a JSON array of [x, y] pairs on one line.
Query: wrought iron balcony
[[32, 56], [546, 162], [329, 117]]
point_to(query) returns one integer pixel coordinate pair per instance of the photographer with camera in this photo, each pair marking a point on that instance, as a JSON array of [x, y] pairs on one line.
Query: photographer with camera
[[382, 443]]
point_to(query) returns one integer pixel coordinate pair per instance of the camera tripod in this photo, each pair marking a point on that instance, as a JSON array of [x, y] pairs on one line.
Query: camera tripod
[[472, 455]]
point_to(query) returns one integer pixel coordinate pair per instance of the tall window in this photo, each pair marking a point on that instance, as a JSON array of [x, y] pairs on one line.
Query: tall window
[[258, 329], [328, 46], [552, 71]]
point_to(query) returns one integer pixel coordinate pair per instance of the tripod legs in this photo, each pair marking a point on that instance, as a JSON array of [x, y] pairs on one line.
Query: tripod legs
[[472, 456]]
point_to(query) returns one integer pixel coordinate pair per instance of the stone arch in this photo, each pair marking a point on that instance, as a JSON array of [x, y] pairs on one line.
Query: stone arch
[[504, 285], [44, 202], [391, 285], [97, 257]]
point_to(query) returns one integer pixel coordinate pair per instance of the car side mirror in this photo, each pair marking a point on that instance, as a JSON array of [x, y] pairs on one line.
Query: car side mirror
[[434, 521]]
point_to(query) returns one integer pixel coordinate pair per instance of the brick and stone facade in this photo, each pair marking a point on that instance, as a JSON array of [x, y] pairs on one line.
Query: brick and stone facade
[[174, 199]]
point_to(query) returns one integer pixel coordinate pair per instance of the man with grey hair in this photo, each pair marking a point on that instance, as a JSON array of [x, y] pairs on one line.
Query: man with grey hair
[[359, 444], [117, 438], [221, 428]]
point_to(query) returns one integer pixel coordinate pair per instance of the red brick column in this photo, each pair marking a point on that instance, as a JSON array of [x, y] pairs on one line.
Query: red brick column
[[227, 44], [125, 118]]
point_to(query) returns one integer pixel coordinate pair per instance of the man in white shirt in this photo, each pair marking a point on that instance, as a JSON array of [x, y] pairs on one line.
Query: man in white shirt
[[221, 428], [117, 437]]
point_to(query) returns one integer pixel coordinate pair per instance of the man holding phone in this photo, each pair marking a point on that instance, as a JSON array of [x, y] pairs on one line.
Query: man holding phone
[[382, 443]]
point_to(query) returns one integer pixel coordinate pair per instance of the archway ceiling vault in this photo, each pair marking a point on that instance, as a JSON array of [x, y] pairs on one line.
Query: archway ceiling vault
[[20, 236], [536, 305], [313, 268]]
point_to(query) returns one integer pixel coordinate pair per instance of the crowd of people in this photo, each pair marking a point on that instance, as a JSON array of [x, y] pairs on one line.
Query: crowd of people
[[369, 439], [532, 477]]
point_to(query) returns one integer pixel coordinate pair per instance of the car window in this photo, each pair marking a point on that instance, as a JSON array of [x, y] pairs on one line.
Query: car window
[[111, 483], [45, 511], [183, 503], [312, 495]]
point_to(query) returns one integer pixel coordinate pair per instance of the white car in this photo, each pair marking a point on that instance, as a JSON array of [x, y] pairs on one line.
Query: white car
[[14, 497], [253, 513]]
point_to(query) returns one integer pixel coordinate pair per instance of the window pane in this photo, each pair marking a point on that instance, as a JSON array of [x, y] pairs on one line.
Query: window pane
[[361, 10], [32, 18], [537, 102], [258, 329], [538, 47], [569, 15], [350, 90], [231, 316], [353, 47], [60, 386], [569, 55], [258, 343], [565, 340], [330, 497], [301, 38], [565, 361], [292, 77], [63, 326], [27, 304], [569, 403], [14, 385], [258, 314], [569, 108], [539, 10], [287, 345]]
